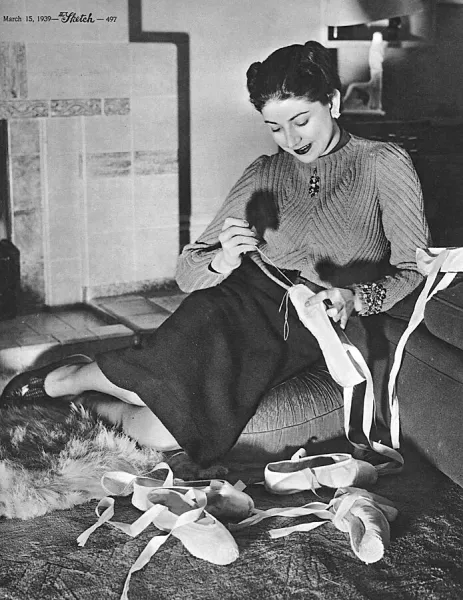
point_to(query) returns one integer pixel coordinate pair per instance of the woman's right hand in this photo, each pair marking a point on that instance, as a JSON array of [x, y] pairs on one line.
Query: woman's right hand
[[236, 239]]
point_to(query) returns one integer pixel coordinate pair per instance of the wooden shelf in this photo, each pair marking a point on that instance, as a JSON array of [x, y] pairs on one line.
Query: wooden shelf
[[416, 30]]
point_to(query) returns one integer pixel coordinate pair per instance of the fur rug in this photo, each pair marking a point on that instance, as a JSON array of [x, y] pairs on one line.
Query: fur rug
[[52, 457]]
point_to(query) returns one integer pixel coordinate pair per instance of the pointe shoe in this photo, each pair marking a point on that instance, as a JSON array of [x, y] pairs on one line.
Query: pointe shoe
[[365, 517], [303, 473], [226, 502], [204, 536], [28, 387], [341, 367], [178, 511], [185, 515]]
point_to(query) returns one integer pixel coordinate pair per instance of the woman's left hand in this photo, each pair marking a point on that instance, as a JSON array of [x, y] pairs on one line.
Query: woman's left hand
[[341, 300]]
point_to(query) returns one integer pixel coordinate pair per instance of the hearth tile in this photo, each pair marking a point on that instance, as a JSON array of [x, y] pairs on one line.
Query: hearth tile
[[116, 106], [82, 320], [65, 291], [78, 107], [107, 332], [170, 303], [57, 86], [65, 236], [72, 336], [111, 258], [132, 306], [24, 136], [13, 71], [103, 135], [109, 164], [65, 284], [105, 84], [26, 182], [156, 253], [13, 327], [47, 323], [54, 59], [65, 185], [27, 226], [155, 162], [147, 322], [33, 339], [65, 189], [155, 119], [23, 109], [64, 136], [105, 70], [156, 201], [109, 205], [115, 301]]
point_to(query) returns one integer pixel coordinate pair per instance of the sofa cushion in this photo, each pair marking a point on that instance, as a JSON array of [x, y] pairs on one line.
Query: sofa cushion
[[307, 408], [443, 315]]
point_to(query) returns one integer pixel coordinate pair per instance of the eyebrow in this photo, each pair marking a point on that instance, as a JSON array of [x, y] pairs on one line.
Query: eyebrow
[[291, 119]]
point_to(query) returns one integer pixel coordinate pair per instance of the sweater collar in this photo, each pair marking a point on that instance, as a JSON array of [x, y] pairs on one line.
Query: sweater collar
[[341, 149]]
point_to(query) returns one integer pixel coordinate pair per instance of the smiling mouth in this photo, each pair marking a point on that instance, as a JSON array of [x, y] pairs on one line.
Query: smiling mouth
[[303, 150]]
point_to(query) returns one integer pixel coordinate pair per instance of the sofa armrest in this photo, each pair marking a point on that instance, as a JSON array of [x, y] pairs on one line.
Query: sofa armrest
[[443, 315]]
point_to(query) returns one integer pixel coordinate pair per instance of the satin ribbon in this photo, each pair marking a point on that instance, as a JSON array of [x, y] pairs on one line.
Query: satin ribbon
[[430, 262], [120, 483], [345, 512]]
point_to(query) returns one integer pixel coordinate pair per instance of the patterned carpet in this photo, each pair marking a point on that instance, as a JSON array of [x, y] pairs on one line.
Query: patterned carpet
[[40, 559]]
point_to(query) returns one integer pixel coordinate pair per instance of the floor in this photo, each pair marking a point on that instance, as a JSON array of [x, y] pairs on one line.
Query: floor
[[107, 323]]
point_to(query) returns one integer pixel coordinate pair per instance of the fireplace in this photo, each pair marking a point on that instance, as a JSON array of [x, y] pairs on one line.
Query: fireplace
[[97, 157]]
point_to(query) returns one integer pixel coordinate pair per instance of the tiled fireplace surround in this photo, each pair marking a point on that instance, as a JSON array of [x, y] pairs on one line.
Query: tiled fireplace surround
[[93, 146]]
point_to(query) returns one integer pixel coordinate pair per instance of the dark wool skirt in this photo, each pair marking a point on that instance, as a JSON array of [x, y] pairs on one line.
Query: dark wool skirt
[[204, 371]]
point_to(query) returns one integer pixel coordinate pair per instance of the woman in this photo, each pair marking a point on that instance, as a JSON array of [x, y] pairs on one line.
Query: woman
[[339, 213]]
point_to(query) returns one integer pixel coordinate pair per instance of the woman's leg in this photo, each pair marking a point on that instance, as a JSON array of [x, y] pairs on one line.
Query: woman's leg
[[136, 420], [139, 423], [71, 380]]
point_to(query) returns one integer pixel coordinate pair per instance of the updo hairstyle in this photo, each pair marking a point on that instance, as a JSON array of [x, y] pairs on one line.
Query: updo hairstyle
[[299, 71]]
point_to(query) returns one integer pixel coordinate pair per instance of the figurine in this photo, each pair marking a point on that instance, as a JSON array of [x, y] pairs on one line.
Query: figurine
[[373, 88]]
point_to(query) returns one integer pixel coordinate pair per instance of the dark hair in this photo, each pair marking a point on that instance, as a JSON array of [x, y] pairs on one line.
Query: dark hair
[[299, 71]]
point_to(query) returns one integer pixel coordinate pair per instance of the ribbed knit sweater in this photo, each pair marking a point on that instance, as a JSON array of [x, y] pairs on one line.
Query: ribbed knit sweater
[[362, 226]]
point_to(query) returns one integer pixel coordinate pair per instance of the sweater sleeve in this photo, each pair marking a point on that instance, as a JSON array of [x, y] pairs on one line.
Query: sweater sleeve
[[405, 226], [193, 266]]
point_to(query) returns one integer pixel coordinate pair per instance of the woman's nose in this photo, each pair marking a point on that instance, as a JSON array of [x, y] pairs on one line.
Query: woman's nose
[[292, 139]]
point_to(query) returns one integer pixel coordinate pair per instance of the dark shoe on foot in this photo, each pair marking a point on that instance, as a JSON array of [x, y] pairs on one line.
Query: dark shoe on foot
[[28, 387]]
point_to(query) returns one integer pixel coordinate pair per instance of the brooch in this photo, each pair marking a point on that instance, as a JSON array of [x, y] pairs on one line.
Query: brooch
[[314, 184]]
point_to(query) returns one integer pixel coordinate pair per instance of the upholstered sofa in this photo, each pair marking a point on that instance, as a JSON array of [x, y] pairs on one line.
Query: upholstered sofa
[[308, 409]]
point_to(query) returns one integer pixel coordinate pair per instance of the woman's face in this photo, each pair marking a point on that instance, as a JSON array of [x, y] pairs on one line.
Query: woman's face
[[302, 128]]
